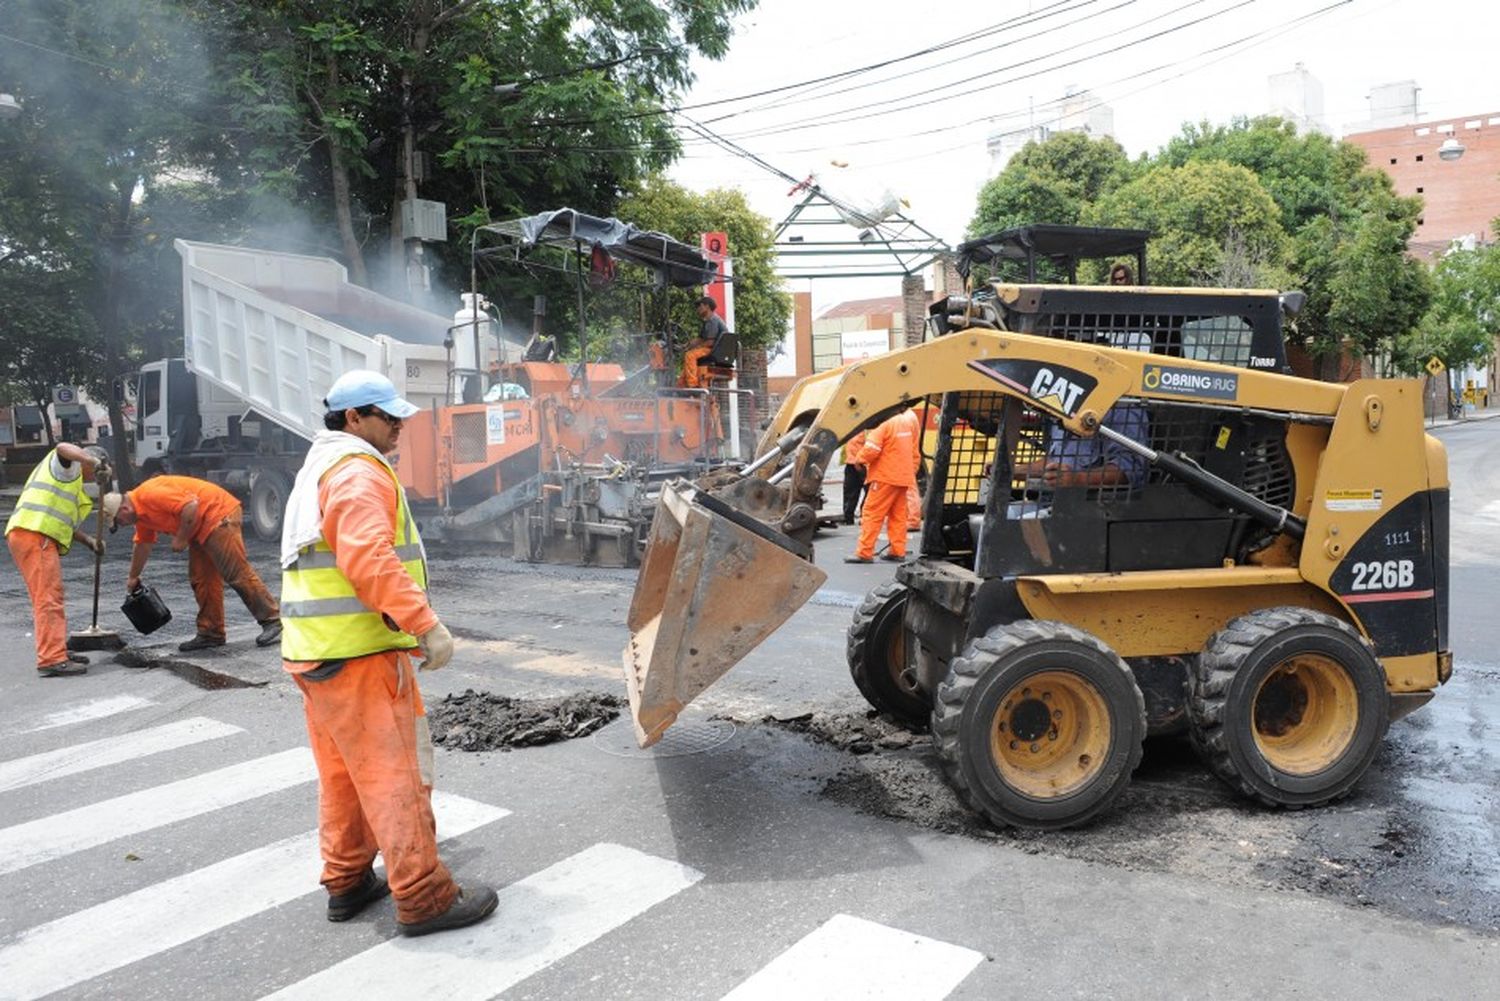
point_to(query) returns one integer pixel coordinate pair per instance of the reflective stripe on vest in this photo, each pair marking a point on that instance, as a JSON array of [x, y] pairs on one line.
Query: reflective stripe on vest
[[53, 507], [321, 616]]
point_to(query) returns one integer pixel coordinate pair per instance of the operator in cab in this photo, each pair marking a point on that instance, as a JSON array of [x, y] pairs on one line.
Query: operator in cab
[[694, 365]]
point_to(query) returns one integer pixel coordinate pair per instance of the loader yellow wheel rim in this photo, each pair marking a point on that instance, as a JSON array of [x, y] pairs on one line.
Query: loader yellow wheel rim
[[1050, 734], [896, 662], [1305, 713]]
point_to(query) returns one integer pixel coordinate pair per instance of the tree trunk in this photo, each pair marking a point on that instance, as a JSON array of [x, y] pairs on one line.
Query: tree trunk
[[339, 171]]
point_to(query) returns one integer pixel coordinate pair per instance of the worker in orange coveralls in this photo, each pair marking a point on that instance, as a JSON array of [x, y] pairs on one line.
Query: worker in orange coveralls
[[204, 519], [48, 517], [354, 593], [891, 455]]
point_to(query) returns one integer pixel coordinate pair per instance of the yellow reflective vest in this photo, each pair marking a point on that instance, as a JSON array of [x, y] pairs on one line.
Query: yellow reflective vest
[[321, 616], [51, 506]]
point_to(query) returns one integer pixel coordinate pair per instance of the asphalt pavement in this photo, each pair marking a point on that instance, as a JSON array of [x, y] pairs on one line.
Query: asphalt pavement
[[156, 819]]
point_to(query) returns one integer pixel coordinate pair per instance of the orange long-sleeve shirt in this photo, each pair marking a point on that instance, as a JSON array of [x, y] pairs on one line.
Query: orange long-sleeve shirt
[[892, 451], [159, 501], [358, 501]]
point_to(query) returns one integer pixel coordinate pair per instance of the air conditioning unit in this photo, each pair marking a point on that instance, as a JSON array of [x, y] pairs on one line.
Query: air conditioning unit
[[424, 220]]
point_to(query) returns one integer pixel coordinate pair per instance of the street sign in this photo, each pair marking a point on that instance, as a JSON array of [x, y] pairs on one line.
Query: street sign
[[1435, 365], [64, 394]]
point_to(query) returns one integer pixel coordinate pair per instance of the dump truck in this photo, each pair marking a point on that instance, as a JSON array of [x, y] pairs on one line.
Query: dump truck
[[1255, 559], [551, 461]]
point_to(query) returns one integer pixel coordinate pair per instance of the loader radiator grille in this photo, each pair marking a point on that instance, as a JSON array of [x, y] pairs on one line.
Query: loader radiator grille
[[469, 438], [1225, 340]]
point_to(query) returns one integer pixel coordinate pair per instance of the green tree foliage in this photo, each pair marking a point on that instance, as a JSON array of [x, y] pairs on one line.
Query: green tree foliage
[[1349, 229], [1052, 182], [1464, 318], [1208, 219], [762, 309]]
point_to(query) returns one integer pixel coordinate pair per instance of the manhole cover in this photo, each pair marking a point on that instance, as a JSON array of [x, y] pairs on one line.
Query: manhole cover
[[685, 737]]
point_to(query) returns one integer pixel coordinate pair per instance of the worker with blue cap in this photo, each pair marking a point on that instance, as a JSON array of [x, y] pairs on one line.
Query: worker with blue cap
[[354, 606]]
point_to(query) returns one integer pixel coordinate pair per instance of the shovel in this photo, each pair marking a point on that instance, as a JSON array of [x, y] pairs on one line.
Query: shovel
[[94, 638]]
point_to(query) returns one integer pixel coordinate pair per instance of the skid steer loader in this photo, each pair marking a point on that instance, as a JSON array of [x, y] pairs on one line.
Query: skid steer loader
[[1258, 559]]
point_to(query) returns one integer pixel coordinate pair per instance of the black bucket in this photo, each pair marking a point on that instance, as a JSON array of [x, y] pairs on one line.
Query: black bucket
[[145, 609]]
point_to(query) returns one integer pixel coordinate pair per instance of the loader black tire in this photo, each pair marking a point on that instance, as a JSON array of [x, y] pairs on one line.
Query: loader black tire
[[878, 653], [1288, 706], [268, 496], [1039, 725]]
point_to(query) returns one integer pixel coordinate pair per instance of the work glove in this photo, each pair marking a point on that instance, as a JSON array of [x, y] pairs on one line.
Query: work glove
[[97, 546], [103, 475], [436, 645]]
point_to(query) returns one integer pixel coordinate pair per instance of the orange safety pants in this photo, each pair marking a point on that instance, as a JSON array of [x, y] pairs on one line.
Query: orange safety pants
[[368, 731], [913, 509], [218, 560], [40, 564], [885, 503], [694, 372]]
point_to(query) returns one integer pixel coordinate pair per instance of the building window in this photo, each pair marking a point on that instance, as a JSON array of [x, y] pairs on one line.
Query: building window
[[1419, 191], [1421, 220], [1393, 161], [1419, 157]]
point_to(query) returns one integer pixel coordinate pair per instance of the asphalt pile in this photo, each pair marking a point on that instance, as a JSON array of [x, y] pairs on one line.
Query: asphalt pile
[[481, 721]]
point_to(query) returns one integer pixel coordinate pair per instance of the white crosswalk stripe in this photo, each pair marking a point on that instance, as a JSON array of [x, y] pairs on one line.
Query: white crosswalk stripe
[[849, 957], [86, 711], [541, 919], [95, 941], [110, 751], [53, 837]]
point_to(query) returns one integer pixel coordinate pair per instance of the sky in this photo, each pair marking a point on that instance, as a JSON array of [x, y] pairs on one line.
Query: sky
[[1156, 63]]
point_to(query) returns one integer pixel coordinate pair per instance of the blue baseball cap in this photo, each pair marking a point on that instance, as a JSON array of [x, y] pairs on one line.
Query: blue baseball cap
[[363, 388]]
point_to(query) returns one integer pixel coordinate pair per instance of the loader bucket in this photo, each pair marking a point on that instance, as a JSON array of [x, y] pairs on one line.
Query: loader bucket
[[714, 583]]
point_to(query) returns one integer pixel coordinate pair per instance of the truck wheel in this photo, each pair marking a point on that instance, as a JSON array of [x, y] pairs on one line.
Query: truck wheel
[[1289, 706], [879, 656], [267, 503], [1039, 725]]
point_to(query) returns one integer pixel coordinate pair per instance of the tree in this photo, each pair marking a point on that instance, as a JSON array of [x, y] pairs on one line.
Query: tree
[[1205, 218], [1349, 230], [1051, 182], [1460, 327], [761, 308]]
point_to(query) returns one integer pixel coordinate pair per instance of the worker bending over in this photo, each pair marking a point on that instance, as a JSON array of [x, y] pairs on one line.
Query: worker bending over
[[891, 455], [46, 520], [204, 519], [354, 583], [695, 368]]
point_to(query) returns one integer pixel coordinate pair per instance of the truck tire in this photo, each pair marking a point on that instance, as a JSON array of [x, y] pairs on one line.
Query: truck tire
[[878, 657], [1039, 725], [268, 497], [1288, 706]]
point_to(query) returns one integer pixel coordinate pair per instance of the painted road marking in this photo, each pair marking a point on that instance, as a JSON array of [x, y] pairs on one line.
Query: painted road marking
[[110, 751], [849, 957], [93, 942], [542, 919], [85, 711], [61, 834]]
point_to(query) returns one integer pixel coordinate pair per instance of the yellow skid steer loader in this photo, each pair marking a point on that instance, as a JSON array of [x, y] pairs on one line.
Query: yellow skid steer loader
[[1169, 533]]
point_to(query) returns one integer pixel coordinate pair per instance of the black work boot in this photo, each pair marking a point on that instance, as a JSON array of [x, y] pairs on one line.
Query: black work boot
[[200, 642], [343, 906], [77, 658], [471, 906], [270, 632], [63, 669]]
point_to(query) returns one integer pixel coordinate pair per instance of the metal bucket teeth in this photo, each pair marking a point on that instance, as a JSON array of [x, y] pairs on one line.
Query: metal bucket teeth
[[714, 584]]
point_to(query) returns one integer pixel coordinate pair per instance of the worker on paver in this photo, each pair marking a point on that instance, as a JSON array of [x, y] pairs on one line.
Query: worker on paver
[[695, 373], [204, 519], [46, 520], [891, 456], [354, 587]]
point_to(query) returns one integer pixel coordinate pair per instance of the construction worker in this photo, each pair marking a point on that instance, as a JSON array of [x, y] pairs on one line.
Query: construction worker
[[204, 519], [694, 369], [891, 455], [854, 476], [354, 583], [48, 517]]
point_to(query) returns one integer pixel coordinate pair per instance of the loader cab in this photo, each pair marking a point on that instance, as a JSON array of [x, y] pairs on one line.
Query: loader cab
[[999, 522]]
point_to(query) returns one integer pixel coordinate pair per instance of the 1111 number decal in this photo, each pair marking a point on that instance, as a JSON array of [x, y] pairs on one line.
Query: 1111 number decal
[[1383, 575]]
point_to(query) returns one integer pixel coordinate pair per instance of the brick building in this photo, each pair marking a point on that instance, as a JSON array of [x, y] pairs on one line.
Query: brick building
[[1461, 196]]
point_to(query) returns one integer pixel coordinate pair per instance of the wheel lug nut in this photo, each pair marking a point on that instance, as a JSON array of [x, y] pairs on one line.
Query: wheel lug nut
[[1057, 714], [1052, 735], [1002, 727], [1014, 745], [1035, 748], [1046, 696], [1025, 692]]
